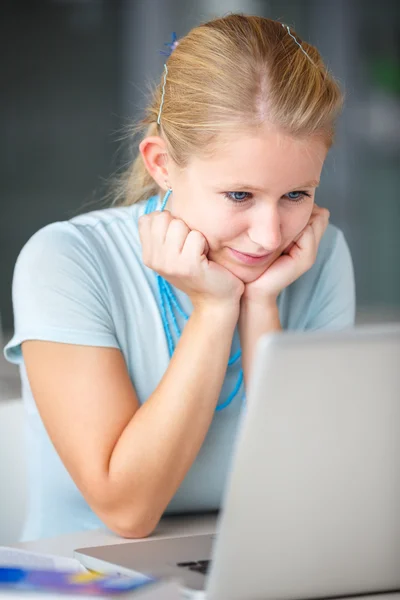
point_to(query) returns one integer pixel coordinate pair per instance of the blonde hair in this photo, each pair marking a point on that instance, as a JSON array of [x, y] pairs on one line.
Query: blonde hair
[[235, 72]]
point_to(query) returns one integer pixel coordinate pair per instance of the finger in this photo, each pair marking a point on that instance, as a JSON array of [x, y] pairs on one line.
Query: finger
[[316, 214], [315, 210], [320, 223], [159, 226], [195, 245], [305, 242], [310, 239], [176, 235], [300, 235], [289, 248]]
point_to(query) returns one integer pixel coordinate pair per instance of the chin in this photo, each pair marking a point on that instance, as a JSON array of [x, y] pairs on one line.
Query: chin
[[248, 275], [245, 274]]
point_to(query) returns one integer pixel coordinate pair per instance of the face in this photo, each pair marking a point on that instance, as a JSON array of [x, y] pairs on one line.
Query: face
[[251, 200]]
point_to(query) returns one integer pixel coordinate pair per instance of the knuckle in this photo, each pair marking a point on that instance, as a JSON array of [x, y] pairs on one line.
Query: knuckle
[[182, 225], [163, 216], [159, 220], [179, 225], [195, 236]]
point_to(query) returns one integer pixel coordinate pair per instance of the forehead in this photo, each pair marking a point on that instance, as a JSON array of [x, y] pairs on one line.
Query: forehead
[[266, 159]]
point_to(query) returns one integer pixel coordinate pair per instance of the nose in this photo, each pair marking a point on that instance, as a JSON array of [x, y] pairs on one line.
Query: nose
[[265, 228]]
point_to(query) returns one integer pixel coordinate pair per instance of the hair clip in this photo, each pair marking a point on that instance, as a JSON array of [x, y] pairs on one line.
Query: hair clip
[[162, 94], [172, 45], [299, 45]]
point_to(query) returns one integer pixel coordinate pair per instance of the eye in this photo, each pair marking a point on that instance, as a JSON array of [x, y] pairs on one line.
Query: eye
[[298, 197], [238, 197]]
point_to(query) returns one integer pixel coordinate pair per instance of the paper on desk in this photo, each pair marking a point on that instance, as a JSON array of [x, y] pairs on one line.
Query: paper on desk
[[14, 557]]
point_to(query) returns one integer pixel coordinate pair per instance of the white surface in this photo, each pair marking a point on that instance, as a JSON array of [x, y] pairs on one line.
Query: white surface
[[170, 526]]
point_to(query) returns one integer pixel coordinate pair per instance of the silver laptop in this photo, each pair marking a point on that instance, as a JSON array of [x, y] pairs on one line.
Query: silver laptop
[[312, 506]]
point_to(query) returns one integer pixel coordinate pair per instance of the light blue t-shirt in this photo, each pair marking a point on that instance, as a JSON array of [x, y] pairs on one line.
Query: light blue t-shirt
[[83, 282]]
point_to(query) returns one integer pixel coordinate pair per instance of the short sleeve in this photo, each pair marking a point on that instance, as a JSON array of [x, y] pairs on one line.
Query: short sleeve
[[59, 294], [333, 301]]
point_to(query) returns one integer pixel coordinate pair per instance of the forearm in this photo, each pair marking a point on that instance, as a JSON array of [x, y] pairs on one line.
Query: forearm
[[256, 318], [163, 438]]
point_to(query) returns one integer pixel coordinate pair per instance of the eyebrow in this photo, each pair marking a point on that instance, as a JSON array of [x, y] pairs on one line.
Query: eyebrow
[[237, 185]]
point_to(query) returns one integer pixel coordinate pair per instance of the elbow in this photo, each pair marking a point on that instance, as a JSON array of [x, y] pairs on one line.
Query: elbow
[[132, 528], [132, 531], [130, 522], [131, 519]]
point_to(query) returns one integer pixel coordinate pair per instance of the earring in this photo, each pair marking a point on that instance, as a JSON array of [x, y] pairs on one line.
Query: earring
[[165, 199]]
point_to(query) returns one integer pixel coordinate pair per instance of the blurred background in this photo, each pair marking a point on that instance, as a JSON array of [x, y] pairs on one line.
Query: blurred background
[[75, 73]]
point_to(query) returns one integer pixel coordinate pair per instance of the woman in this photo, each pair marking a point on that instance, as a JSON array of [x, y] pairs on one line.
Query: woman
[[135, 325]]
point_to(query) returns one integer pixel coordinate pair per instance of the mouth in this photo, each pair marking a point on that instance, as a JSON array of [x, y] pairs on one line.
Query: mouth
[[250, 259]]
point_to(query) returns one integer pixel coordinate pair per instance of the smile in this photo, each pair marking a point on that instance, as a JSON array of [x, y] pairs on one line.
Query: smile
[[250, 259]]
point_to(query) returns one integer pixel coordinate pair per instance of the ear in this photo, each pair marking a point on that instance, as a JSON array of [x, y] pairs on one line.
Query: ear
[[154, 153]]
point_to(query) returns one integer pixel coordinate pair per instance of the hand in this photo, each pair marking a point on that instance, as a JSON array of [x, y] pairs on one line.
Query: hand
[[296, 259], [180, 256]]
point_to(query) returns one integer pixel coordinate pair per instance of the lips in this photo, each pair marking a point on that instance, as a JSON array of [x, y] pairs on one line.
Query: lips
[[250, 259], [253, 255]]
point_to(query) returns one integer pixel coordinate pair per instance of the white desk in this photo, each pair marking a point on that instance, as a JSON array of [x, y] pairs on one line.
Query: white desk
[[64, 545], [169, 526]]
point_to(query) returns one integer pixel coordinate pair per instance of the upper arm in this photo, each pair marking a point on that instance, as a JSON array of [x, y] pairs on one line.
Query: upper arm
[[86, 399], [333, 300], [76, 371]]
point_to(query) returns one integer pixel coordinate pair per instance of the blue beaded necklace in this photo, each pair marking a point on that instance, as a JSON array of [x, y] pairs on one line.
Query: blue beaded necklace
[[169, 305]]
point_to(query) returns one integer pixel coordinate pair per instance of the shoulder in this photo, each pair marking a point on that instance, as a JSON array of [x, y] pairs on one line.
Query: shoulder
[[56, 262], [83, 237], [61, 286], [107, 217], [69, 258]]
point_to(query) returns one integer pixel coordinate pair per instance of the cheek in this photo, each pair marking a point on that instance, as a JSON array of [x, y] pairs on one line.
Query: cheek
[[293, 224], [230, 225], [207, 225], [217, 225], [227, 230]]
